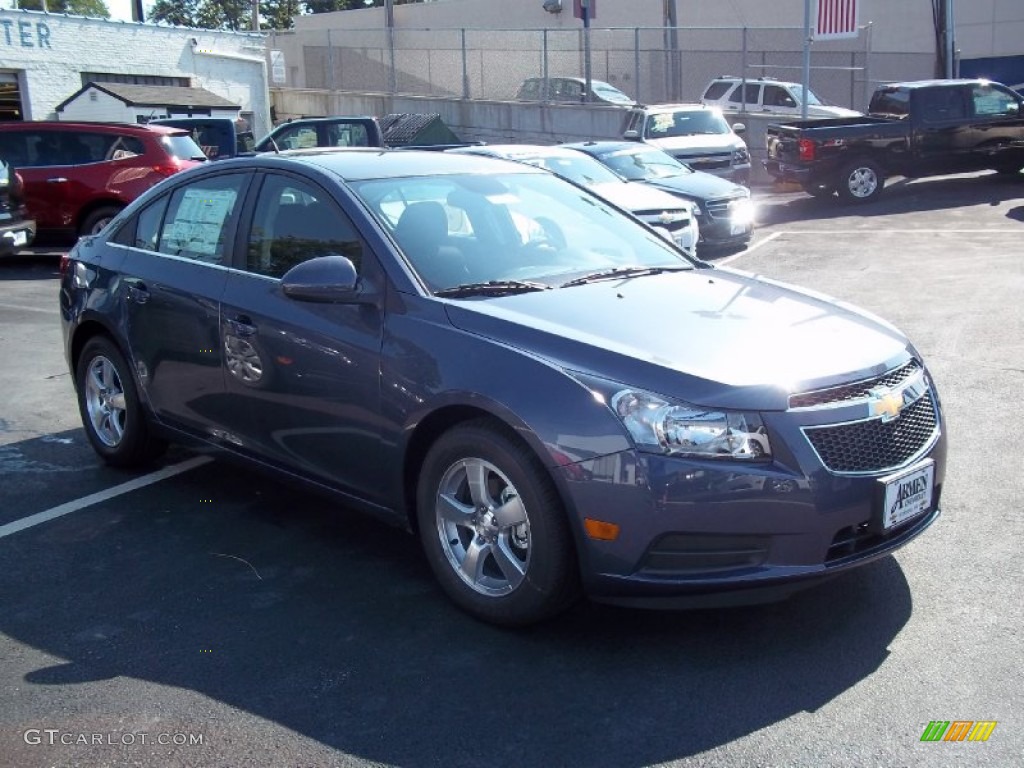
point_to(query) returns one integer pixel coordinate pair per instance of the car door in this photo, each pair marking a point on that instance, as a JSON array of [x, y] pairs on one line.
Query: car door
[[779, 101], [942, 131], [996, 136], [303, 377], [37, 155], [172, 285]]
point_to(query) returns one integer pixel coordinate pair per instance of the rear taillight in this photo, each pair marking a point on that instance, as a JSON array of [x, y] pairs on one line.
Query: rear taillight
[[806, 147], [167, 169], [65, 260]]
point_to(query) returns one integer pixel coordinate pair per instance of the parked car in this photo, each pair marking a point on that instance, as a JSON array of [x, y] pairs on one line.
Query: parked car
[[766, 94], [77, 176], [17, 230], [724, 210], [915, 129], [693, 134], [572, 90], [218, 137], [658, 209], [528, 401], [333, 131]]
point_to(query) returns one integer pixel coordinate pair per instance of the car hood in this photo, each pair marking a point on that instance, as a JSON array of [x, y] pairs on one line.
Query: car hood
[[702, 144], [633, 196], [717, 338], [698, 185]]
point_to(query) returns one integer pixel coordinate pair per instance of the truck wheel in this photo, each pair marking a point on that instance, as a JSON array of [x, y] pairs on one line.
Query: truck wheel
[[861, 181]]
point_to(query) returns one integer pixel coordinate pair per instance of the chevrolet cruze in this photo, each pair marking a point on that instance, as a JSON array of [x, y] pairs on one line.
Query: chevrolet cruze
[[552, 396]]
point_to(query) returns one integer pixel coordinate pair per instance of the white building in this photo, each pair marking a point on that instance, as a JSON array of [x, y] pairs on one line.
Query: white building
[[46, 58]]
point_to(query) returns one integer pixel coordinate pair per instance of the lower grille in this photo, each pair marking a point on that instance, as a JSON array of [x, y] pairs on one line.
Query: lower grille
[[875, 445], [679, 554]]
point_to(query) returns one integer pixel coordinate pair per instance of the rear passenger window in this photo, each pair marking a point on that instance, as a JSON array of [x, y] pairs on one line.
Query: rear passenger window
[[295, 221], [199, 216], [147, 228], [716, 91]]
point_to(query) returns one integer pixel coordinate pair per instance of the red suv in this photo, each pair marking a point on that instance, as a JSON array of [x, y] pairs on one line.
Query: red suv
[[77, 176]]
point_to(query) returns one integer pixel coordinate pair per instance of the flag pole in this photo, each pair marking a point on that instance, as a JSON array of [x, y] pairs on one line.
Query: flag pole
[[807, 60]]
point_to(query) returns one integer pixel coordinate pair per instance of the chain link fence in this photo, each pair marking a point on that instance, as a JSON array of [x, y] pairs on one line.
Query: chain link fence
[[650, 65]]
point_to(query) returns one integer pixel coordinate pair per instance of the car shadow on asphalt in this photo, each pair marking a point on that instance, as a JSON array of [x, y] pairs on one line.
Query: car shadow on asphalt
[[280, 604], [36, 264], [900, 196]]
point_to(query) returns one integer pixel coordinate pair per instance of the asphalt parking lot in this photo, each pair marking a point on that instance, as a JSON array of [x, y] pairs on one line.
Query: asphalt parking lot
[[215, 618]]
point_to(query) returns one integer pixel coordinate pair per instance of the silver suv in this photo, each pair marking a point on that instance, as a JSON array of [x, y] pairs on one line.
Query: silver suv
[[693, 134], [767, 94]]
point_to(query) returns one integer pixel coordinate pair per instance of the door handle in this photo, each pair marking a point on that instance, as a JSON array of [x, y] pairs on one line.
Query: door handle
[[57, 180], [242, 326], [138, 292]]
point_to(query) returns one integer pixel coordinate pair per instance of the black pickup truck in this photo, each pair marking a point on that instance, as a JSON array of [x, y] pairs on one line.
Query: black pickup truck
[[924, 128]]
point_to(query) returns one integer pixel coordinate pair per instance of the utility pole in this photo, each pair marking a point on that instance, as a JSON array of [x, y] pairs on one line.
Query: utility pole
[[255, 16], [671, 21]]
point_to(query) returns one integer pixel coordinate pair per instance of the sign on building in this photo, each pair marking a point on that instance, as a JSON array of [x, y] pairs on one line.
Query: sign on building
[[277, 71]]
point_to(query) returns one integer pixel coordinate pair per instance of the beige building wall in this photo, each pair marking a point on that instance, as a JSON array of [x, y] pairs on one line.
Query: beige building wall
[[984, 27]]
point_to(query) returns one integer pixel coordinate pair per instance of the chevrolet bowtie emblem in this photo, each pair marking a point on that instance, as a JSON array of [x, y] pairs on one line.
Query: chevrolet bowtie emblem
[[885, 403]]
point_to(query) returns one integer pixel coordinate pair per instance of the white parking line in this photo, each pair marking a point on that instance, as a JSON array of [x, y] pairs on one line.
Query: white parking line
[[100, 496], [20, 308], [749, 249]]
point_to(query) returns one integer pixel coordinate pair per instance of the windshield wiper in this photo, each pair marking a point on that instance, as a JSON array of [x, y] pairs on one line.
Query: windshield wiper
[[634, 271], [492, 288]]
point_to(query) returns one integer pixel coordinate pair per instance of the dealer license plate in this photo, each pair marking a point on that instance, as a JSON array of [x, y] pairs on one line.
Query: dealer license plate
[[908, 493], [20, 238], [739, 228]]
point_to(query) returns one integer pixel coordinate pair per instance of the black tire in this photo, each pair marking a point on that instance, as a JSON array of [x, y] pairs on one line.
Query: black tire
[[108, 402], [526, 572], [860, 181], [95, 221]]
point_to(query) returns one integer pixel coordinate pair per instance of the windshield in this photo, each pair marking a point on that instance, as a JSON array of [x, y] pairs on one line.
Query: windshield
[[183, 147], [609, 93], [472, 229], [686, 123], [642, 164]]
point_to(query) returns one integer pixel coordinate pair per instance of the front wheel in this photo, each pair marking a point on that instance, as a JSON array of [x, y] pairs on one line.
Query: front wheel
[[109, 404], [861, 182], [493, 528]]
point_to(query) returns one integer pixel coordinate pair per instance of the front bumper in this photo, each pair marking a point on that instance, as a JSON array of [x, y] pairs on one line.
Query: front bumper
[[707, 533]]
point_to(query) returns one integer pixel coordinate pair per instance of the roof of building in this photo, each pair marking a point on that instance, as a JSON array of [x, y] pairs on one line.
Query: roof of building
[[154, 96]]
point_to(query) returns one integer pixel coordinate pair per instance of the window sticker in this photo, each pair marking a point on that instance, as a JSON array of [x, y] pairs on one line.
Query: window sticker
[[199, 220]]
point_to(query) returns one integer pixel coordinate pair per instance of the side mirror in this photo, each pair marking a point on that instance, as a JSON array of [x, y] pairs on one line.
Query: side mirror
[[325, 279], [739, 128], [631, 135]]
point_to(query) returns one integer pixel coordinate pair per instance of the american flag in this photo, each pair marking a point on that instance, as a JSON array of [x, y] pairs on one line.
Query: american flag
[[836, 19]]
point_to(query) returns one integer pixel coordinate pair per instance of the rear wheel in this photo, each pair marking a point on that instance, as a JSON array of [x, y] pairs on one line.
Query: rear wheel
[[861, 181], [108, 401], [94, 223], [493, 528]]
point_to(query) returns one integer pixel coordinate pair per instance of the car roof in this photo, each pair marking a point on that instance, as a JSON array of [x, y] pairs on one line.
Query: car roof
[[362, 163], [513, 151], [327, 119], [912, 84], [95, 127], [602, 147], [737, 79], [683, 107]]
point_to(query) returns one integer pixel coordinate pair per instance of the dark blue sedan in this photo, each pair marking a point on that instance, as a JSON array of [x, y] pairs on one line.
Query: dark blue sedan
[[555, 398]]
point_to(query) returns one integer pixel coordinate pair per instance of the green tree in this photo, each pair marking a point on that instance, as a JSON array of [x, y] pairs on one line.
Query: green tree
[[97, 9], [277, 14], [179, 12], [224, 14]]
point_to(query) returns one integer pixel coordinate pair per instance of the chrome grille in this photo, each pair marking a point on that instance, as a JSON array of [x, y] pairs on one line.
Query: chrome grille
[[712, 161], [654, 219], [854, 391], [875, 445]]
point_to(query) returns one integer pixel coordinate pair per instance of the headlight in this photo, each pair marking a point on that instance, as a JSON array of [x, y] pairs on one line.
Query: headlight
[[682, 429], [741, 155], [741, 211]]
